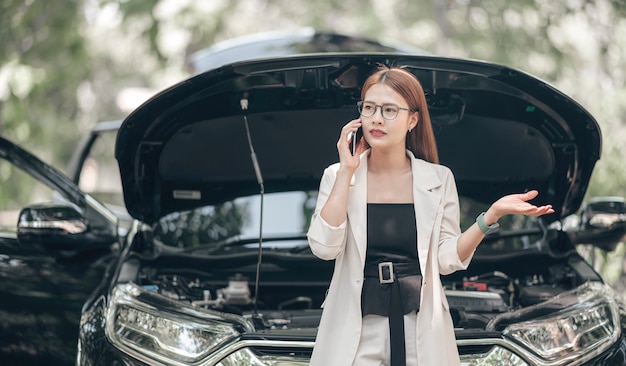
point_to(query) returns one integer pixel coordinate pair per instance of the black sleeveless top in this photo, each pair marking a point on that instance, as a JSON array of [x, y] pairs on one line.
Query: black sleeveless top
[[391, 237]]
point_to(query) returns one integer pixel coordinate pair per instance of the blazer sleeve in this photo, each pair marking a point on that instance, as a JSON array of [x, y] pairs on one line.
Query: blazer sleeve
[[326, 241], [450, 230]]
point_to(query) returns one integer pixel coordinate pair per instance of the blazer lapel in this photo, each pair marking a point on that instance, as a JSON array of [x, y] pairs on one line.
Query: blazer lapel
[[426, 203]]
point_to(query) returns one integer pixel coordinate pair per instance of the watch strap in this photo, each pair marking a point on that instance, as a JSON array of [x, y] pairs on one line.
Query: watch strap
[[486, 229]]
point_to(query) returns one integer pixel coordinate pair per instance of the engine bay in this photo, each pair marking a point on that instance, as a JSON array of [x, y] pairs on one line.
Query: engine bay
[[289, 302]]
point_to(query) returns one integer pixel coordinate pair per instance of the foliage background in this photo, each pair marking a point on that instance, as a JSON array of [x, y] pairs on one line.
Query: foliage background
[[66, 64]]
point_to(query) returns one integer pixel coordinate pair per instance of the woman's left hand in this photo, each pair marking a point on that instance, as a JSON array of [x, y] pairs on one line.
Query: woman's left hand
[[516, 204]]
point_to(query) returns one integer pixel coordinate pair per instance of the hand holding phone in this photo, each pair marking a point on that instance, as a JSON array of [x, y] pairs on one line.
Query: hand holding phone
[[356, 137]]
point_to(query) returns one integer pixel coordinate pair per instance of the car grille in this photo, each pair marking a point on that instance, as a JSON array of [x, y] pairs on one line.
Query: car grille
[[275, 353]]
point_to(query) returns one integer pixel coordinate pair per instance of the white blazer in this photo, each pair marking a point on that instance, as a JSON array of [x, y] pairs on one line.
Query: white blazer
[[437, 216]]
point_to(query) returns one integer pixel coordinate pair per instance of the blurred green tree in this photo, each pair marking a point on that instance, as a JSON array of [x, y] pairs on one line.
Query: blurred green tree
[[43, 60]]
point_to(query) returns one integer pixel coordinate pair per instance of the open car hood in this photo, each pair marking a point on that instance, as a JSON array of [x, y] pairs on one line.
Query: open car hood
[[500, 130]]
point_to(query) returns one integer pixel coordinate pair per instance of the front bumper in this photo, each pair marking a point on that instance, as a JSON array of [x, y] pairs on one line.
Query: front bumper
[[294, 347], [272, 349]]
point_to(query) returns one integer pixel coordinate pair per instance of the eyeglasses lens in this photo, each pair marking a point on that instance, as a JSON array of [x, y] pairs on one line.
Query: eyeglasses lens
[[389, 111]]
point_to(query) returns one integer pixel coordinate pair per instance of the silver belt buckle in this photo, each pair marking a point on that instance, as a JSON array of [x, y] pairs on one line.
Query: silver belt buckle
[[381, 278]]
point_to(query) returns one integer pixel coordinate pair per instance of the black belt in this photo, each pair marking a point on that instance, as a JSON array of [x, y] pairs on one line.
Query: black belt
[[387, 273]]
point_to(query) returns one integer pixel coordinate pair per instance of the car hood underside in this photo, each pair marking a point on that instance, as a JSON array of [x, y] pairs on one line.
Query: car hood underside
[[500, 130]]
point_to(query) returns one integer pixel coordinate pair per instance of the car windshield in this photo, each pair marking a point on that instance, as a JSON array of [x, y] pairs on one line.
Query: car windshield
[[286, 216], [284, 213]]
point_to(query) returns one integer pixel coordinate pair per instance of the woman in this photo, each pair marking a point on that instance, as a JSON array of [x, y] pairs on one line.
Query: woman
[[389, 217]]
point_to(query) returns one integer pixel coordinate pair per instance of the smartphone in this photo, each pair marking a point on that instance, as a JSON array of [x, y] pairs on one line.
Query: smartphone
[[355, 140]]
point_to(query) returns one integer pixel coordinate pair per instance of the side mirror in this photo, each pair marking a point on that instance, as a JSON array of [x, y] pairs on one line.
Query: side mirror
[[60, 228], [602, 223]]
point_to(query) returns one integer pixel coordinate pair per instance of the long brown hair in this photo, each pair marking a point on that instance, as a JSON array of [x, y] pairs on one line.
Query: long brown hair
[[421, 140]]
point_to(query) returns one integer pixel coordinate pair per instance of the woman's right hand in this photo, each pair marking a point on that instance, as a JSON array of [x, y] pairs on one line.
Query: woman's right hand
[[334, 210], [346, 159]]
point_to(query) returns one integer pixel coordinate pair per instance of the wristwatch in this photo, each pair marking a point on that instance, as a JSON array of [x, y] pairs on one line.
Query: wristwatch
[[486, 229]]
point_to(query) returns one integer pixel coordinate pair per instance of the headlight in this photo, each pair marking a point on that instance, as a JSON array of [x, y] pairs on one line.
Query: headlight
[[143, 324], [571, 331], [577, 324]]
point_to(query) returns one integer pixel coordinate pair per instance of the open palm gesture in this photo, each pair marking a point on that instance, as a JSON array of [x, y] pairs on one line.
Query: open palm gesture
[[518, 204]]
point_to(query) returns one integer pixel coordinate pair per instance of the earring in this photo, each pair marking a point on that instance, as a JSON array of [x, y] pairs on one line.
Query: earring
[[410, 130]]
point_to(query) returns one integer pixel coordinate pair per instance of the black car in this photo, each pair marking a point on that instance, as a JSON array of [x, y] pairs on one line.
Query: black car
[[56, 243], [221, 171]]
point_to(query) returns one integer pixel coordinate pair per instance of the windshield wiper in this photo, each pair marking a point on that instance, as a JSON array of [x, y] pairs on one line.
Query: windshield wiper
[[242, 242], [239, 241]]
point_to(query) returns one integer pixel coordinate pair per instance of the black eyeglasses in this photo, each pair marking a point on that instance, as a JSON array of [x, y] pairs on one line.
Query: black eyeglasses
[[389, 111]]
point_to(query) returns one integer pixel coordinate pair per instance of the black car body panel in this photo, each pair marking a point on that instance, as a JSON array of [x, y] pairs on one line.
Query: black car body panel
[[499, 130], [44, 283]]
